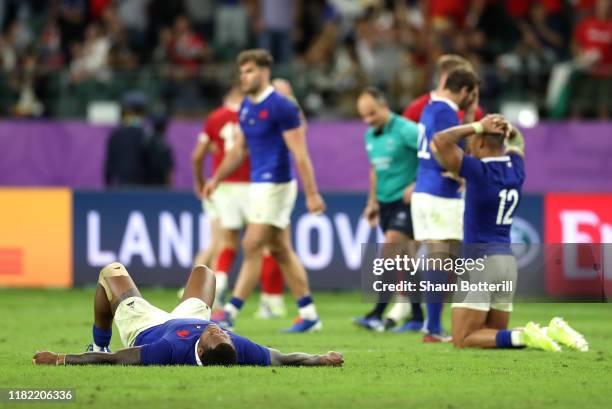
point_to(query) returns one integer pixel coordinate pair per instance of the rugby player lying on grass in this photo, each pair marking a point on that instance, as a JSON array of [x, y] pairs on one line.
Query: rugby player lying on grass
[[494, 173], [183, 337]]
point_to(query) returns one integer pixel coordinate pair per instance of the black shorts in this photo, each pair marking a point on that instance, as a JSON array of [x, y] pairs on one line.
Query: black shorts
[[396, 216]]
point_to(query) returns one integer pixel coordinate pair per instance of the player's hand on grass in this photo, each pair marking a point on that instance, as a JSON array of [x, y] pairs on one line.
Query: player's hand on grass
[[315, 203], [45, 358], [371, 213], [332, 359]]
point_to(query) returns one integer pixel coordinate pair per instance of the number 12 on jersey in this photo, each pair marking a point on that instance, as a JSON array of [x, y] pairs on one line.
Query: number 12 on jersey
[[508, 199]]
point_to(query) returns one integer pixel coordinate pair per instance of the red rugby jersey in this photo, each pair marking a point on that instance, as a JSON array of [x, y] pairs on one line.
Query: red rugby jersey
[[220, 126], [414, 110]]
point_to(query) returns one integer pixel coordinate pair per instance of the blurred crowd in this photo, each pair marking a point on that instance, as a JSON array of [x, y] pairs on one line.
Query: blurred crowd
[[58, 55]]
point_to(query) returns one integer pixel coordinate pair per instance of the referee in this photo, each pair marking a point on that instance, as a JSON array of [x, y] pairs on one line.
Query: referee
[[391, 145]]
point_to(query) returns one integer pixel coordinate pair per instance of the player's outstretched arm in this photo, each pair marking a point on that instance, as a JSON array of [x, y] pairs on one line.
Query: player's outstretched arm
[[127, 356], [301, 359], [197, 159], [296, 142], [372, 209]]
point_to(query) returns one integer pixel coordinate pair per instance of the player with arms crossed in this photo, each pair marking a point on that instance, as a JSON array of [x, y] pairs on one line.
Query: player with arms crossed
[[391, 144], [185, 336], [230, 204], [271, 132], [494, 173]]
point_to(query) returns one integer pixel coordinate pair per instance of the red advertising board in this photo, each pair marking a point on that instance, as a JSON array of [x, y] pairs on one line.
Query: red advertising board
[[578, 228]]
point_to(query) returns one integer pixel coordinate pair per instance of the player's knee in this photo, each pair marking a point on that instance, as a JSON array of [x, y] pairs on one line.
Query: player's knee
[[459, 338], [251, 246], [111, 270], [203, 270], [280, 251], [458, 342]]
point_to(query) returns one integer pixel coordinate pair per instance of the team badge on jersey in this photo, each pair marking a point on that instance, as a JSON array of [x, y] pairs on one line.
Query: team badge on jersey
[[182, 333]]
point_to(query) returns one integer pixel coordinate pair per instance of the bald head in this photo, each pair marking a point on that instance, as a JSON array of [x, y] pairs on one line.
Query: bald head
[[373, 109]]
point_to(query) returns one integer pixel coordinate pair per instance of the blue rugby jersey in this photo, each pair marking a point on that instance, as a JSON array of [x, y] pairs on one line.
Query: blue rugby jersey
[[263, 123], [492, 194], [438, 115], [174, 343]]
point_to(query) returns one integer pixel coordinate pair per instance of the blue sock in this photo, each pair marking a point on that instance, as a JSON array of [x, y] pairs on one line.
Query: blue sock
[[417, 312], [304, 301], [503, 339], [434, 301], [434, 315], [102, 337], [236, 302]]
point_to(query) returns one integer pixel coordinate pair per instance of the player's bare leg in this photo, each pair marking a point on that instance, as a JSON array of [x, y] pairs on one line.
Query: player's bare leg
[[293, 270], [296, 277], [466, 323], [114, 285], [398, 243], [256, 238], [208, 256], [437, 249], [253, 243], [200, 284], [395, 244], [497, 319], [272, 286], [471, 329]]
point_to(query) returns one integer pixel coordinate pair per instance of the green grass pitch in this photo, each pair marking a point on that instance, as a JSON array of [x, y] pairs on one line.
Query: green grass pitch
[[381, 370]]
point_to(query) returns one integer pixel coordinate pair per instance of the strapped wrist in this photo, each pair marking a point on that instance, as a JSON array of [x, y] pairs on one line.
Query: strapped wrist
[[478, 128]]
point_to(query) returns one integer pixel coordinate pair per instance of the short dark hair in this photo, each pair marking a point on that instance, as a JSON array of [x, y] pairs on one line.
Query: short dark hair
[[222, 354], [494, 141], [461, 77], [375, 93], [261, 57]]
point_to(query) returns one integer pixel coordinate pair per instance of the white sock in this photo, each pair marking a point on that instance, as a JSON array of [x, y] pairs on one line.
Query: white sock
[[517, 339], [221, 286], [400, 311], [273, 300], [231, 310], [309, 312], [221, 282]]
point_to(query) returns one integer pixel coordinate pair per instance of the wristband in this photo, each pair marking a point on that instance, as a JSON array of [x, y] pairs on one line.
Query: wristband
[[478, 128]]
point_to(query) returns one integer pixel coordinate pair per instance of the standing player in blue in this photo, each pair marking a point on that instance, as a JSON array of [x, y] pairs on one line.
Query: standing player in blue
[[437, 206], [271, 132], [494, 173], [185, 336]]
